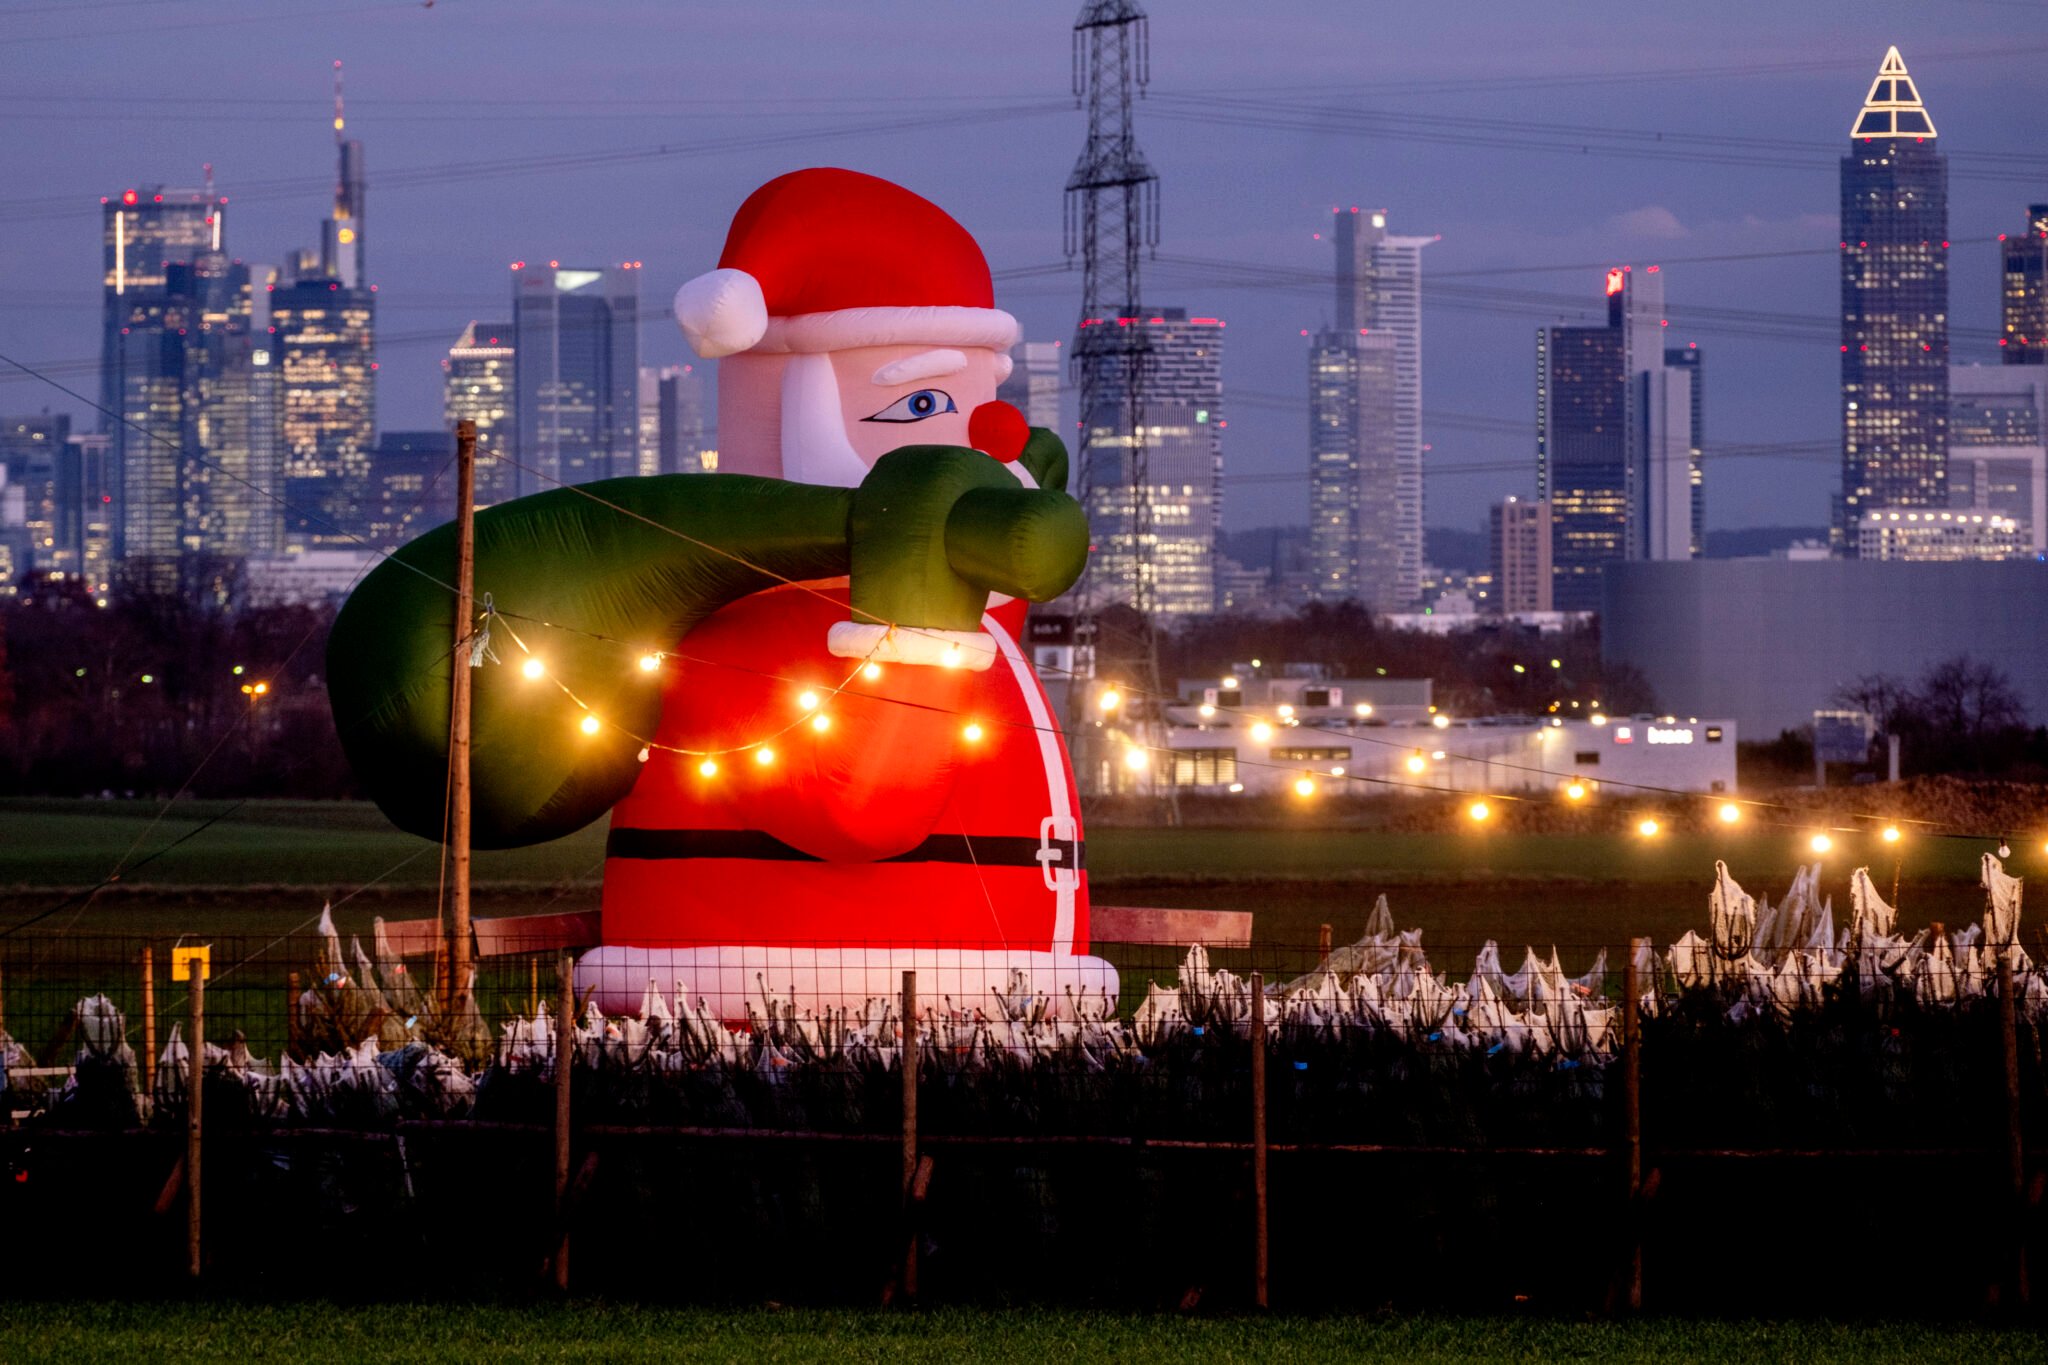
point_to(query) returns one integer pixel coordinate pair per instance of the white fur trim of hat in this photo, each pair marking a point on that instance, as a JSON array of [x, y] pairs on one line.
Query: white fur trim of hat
[[723, 312]]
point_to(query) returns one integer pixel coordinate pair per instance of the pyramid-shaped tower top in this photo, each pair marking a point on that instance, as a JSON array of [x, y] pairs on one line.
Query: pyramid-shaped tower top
[[1893, 107]]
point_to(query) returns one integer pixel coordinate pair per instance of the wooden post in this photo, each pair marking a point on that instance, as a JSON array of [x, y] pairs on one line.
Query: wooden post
[[565, 1066], [292, 991], [195, 1090], [1323, 945], [2015, 1150], [458, 729], [1632, 1117], [149, 1019], [1260, 1243], [910, 1068], [533, 985]]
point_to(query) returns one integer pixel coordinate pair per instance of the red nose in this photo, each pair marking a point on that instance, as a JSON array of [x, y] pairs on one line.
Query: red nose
[[998, 429]]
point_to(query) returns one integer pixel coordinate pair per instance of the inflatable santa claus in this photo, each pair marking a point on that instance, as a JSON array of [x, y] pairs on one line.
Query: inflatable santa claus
[[795, 684]]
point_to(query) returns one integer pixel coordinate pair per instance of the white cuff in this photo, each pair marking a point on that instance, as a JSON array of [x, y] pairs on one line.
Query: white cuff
[[969, 649]]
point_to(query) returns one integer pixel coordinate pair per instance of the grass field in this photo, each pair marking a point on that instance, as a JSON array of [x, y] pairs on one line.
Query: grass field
[[266, 866], [308, 1333]]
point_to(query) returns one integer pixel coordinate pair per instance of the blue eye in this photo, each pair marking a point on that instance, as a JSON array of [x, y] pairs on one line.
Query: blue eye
[[915, 407]]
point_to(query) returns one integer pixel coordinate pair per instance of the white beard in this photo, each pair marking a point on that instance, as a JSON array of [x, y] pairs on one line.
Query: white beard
[[814, 445]]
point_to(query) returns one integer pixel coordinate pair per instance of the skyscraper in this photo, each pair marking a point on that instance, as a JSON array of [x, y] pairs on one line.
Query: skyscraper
[[412, 486], [325, 313], [1379, 294], [478, 388], [1894, 307], [31, 453], [2023, 292], [1691, 359], [1614, 440], [1355, 511], [197, 442], [1168, 566], [673, 435], [1033, 386], [143, 231], [577, 373]]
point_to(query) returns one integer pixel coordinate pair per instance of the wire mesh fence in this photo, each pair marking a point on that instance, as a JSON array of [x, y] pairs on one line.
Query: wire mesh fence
[[1119, 1099]]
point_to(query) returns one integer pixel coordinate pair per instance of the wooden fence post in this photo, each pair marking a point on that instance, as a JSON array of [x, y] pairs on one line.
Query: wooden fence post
[[2015, 1149], [148, 1019], [911, 1061], [195, 1090], [291, 1013], [565, 1066], [1260, 1243], [1632, 1117]]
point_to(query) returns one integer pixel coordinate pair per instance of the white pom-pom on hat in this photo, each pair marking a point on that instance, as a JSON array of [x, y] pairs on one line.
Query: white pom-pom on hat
[[722, 312]]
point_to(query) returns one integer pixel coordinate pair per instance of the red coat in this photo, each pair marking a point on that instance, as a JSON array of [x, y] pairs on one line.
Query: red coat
[[890, 828]]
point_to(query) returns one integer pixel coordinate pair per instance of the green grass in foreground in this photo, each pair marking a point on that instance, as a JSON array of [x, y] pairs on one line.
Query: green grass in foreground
[[305, 843], [446, 1333]]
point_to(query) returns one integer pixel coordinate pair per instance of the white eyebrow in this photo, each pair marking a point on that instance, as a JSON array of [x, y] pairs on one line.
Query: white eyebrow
[[923, 365]]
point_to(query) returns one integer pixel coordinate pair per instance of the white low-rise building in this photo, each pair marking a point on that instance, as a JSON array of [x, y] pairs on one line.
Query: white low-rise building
[[1273, 748]]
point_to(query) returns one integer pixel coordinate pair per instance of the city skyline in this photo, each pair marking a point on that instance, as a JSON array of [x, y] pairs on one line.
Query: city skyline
[[1770, 391]]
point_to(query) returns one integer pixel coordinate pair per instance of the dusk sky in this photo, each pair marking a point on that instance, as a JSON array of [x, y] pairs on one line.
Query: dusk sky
[[600, 132]]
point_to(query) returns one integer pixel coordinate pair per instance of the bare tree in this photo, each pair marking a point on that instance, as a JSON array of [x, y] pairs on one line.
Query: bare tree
[[1966, 707]]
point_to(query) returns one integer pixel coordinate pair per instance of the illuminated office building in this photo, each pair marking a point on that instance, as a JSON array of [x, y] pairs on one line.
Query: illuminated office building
[[478, 388], [1615, 441], [1155, 503], [1355, 512], [675, 438], [1894, 249], [2023, 292], [1365, 419], [324, 310], [577, 373], [196, 444]]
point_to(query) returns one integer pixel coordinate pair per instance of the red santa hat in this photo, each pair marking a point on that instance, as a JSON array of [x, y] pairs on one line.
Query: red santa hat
[[827, 259]]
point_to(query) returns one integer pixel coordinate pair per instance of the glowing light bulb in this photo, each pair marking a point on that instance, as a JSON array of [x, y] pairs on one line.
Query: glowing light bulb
[[260, 688], [951, 658], [589, 725], [1363, 708], [972, 732], [1230, 684], [1820, 843], [871, 672], [808, 700], [1110, 699], [1286, 712], [649, 662], [1305, 787], [1437, 754], [1730, 812], [1442, 722], [1891, 834], [1205, 710], [1336, 772], [1416, 763], [764, 756], [1478, 810], [1135, 760], [1648, 828], [821, 722], [642, 755], [533, 667], [1575, 792], [1262, 732], [708, 768], [1599, 720]]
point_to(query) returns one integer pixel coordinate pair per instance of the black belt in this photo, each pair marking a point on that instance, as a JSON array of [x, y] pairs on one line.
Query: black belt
[[989, 850]]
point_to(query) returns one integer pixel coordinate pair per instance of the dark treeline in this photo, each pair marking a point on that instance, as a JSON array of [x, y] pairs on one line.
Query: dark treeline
[[1475, 669], [157, 694]]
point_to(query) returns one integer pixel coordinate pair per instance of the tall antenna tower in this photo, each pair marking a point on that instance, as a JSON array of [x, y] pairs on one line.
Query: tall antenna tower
[[1111, 220]]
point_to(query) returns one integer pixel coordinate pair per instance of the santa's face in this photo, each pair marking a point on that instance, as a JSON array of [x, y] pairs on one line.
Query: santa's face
[[825, 418]]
